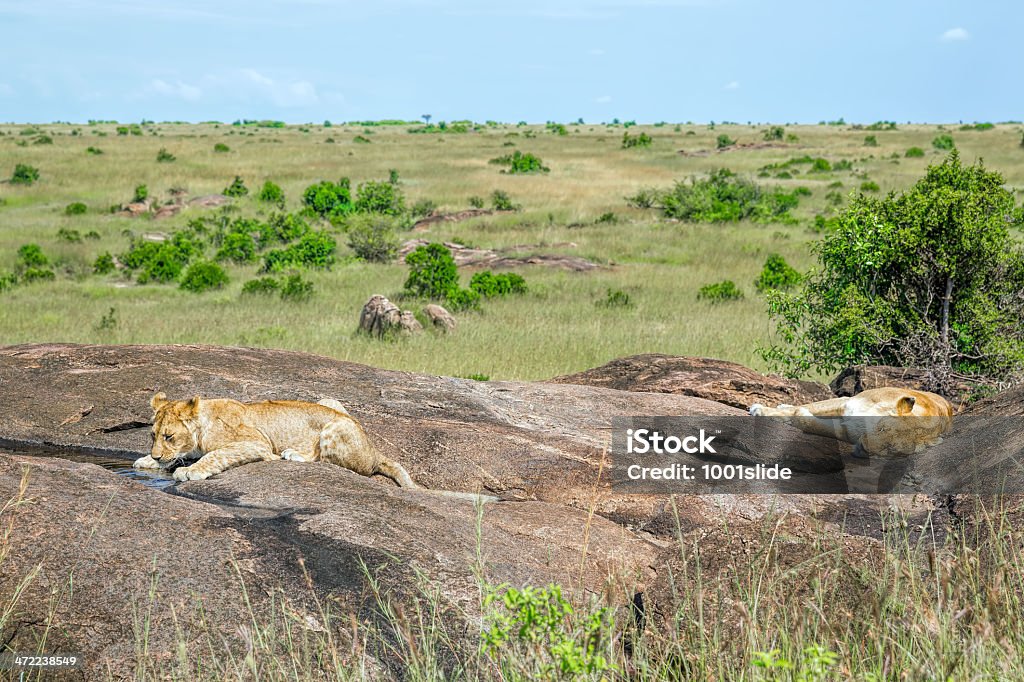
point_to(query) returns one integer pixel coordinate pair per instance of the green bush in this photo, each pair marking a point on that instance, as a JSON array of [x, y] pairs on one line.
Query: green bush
[[774, 133], [820, 165], [161, 261], [943, 142], [723, 141], [92, 234], [281, 228], [37, 275], [914, 153], [424, 208], [501, 201], [478, 202], [262, 285], [271, 193], [869, 186], [66, 235], [75, 208], [489, 285], [95, 151], [237, 247], [777, 274], [221, 148], [643, 140], [380, 197], [164, 156], [372, 238], [141, 194], [720, 291], [203, 276], [313, 250], [329, 199], [432, 271], [32, 256], [616, 298], [462, 299], [295, 288], [928, 278], [870, 141], [43, 139], [518, 162], [725, 197], [359, 139], [104, 264], [237, 188], [24, 174]]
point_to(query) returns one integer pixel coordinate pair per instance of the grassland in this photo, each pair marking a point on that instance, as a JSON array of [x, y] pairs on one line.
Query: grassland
[[556, 328]]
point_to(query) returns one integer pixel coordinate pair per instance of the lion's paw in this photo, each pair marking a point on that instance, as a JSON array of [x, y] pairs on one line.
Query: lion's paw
[[146, 462], [757, 410], [291, 455], [190, 474]]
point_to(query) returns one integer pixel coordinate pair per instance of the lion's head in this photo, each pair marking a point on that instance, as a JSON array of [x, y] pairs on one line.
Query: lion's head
[[175, 428]]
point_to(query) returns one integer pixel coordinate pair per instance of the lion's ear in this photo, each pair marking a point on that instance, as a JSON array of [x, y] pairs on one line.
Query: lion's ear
[[905, 405], [192, 406], [158, 401]]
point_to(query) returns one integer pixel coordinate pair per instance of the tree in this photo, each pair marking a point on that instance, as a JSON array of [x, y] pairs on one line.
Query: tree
[[426, 118], [931, 277]]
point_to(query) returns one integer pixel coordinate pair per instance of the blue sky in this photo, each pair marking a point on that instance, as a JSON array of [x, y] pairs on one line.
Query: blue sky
[[534, 60]]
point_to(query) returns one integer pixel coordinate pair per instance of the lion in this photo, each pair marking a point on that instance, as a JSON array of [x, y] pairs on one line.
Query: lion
[[225, 433], [888, 422]]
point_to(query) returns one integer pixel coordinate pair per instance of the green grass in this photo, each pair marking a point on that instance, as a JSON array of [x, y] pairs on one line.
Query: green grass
[[557, 327]]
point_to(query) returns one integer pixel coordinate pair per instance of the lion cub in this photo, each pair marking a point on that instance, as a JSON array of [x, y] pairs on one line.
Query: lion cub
[[889, 422], [228, 433]]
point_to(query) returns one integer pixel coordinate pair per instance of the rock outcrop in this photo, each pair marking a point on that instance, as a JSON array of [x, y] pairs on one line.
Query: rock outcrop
[[724, 382], [381, 318], [440, 317]]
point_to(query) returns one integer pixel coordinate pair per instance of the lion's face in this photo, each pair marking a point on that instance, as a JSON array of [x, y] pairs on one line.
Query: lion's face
[[174, 428]]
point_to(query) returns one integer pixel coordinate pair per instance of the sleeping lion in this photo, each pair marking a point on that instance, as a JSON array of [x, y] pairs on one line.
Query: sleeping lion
[[888, 422], [228, 433]]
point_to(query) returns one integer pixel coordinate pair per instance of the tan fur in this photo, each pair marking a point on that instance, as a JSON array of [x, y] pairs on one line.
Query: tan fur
[[889, 422], [226, 433]]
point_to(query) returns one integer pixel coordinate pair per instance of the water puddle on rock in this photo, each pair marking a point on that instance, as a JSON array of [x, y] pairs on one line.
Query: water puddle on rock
[[122, 466]]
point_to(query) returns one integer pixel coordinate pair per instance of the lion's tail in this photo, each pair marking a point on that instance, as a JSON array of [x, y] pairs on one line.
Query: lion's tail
[[399, 475]]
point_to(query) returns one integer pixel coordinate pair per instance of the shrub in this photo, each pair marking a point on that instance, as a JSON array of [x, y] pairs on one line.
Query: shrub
[[164, 156], [424, 208], [203, 276], [842, 165], [329, 199], [359, 139], [104, 264], [92, 234], [380, 197], [724, 197], [281, 228], [161, 261], [141, 194], [237, 188], [607, 218], [24, 174], [478, 202], [95, 151], [37, 275], [295, 288], [869, 186], [820, 165], [432, 271], [723, 141], [501, 201], [914, 153], [31, 256], [645, 198], [108, 321], [313, 250], [642, 140], [928, 278], [616, 298], [221, 148], [237, 247], [489, 285], [271, 193], [43, 139], [720, 291], [777, 274], [75, 208], [66, 235], [262, 285], [518, 162], [870, 141], [372, 238], [462, 299], [774, 133], [943, 142]]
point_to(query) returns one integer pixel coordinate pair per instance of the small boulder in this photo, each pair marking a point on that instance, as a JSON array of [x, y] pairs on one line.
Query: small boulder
[[440, 317], [380, 317]]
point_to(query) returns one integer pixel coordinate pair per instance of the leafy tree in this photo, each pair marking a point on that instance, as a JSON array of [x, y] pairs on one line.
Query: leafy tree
[[372, 238], [24, 174], [237, 188], [931, 277], [432, 271], [271, 193], [327, 198], [380, 197]]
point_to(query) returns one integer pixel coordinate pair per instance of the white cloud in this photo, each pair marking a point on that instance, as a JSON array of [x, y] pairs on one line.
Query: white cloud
[[731, 85], [603, 99], [955, 35], [189, 93]]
